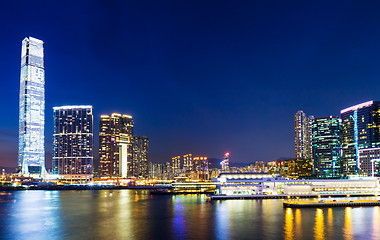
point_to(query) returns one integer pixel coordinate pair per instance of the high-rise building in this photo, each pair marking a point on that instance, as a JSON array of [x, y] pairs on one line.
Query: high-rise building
[[302, 135], [31, 153], [360, 130], [326, 147], [167, 171], [73, 141], [226, 162], [156, 171], [200, 168], [115, 146], [187, 163], [140, 156], [176, 166], [310, 121]]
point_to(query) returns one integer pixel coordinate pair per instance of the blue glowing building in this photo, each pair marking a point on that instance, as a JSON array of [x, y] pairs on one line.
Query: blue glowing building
[[31, 153], [360, 130], [326, 147]]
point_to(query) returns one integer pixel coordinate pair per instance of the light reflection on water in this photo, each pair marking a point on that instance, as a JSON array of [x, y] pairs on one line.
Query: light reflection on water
[[132, 214], [289, 225], [347, 230], [319, 227]]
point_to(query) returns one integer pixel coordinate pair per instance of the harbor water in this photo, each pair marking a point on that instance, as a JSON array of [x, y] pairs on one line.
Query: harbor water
[[135, 214]]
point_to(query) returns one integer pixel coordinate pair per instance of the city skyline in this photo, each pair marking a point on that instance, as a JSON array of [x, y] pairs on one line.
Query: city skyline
[[188, 91], [190, 119]]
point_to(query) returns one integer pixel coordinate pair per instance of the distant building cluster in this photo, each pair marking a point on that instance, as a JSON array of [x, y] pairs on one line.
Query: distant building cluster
[[293, 168], [187, 166], [258, 167]]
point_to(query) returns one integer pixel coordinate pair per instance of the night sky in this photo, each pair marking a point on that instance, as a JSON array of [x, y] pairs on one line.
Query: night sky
[[201, 77]]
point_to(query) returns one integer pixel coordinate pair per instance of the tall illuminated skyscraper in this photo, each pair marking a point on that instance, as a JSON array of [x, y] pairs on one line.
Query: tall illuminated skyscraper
[[310, 121], [187, 162], [302, 135], [360, 130], [31, 153], [226, 162], [327, 147], [73, 141], [200, 168], [176, 166], [115, 146], [140, 156]]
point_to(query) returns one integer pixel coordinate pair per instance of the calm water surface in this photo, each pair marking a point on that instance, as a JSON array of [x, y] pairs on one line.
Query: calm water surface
[[133, 214]]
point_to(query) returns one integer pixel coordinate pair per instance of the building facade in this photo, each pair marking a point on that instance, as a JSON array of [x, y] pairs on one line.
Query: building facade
[[73, 140], [360, 130], [125, 155], [200, 168], [302, 135], [225, 164], [369, 160], [140, 156], [187, 163], [326, 147], [176, 166], [115, 146], [156, 171], [31, 152]]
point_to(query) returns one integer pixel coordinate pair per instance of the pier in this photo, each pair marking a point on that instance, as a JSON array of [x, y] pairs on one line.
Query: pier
[[285, 196], [333, 203]]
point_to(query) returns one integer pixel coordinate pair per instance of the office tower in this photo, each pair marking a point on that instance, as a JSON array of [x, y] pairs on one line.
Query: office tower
[[326, 147], [360, 130], [31, 153], [302, 134], [115, 146], [140, 156], [73, 141], [176, 166], [226, 162]]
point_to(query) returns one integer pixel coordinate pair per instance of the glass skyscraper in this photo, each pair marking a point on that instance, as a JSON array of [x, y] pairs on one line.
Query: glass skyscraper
[[73, 140], [326, 147], [31, 153], [360, 130]]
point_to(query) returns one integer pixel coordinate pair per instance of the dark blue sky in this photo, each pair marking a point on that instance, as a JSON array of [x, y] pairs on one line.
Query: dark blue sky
[[203, 77]]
